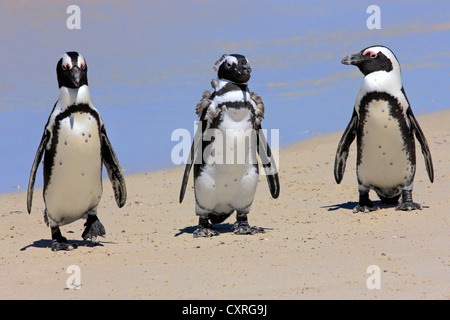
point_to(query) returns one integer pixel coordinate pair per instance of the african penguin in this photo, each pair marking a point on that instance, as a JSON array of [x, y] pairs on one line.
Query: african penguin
[[384, 126], [224, 150], [74, 145]]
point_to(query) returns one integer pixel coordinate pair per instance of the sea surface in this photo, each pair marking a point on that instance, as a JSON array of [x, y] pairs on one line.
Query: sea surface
[[150, 61]]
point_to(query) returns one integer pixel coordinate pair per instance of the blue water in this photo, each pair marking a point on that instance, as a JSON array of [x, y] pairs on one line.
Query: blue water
[[150, 61]]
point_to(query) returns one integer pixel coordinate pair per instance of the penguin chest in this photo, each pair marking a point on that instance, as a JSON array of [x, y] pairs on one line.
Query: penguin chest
[[383, 155], [75, 185], [236, 118], [238, 139], [228, 180]]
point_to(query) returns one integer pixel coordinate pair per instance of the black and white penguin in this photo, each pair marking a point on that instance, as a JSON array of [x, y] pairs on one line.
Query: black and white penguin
[[74, 145], [224, 150], [384, 125]]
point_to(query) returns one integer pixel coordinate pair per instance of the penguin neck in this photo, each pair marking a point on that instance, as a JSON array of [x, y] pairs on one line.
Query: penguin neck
[[222, 82], [383, 81], [68, 96]]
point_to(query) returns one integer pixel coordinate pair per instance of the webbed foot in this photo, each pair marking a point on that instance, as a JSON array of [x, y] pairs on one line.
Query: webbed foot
[[242, 227], [59, 243], [94, 228], [365, 209], [409, 206], [62, 246], [205, 229], [365, 204], [407, 203]]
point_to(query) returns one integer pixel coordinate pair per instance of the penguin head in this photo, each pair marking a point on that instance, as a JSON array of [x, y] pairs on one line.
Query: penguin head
[[373, 59], [72, 70], [234, 68]]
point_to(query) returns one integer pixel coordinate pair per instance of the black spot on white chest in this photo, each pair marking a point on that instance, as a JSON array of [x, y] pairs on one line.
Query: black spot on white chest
[[77, 143], [383, 126], [78, 127], [386, 156]]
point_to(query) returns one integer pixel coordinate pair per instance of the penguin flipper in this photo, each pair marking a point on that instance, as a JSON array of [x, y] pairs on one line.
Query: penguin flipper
[[191, 159], [423, 143], [268, 163], [113, 168], [37, 160], [347, 138], [201, 110]]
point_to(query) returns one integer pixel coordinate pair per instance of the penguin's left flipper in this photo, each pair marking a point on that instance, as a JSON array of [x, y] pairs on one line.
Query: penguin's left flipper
[[268, 163], [348, 136], [423, 143], [113, 168], [37, 160]]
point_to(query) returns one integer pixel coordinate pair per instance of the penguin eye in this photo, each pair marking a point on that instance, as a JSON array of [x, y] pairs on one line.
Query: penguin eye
[[373, 55], [83, 65], [229, 64], [64, 66]]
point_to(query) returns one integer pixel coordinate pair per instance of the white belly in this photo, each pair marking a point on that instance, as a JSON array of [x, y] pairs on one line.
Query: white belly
[[384, 162], [75, 185], [222, 189], [229, 181]]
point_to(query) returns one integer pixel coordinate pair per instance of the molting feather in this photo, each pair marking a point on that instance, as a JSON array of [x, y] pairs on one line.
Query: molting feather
[[204, 103], [218, 62], [259, 111]]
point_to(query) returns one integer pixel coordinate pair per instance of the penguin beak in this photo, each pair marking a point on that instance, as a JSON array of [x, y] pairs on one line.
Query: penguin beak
[[246, 69], [75, 74], [353, 59]]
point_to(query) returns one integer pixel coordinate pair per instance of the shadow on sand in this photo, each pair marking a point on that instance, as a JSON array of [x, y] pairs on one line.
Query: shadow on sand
[[47, 244]]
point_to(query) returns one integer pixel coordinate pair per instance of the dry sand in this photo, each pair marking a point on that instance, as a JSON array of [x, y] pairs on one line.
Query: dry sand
[[314, 246]]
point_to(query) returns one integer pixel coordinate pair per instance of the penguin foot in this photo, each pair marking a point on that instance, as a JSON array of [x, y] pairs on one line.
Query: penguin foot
[[407, 202], [94, 228], [365, 204], [365, 209], [203, 232], [409, 206], [205, 229], [242, 227], [59, 243], [62, 246]]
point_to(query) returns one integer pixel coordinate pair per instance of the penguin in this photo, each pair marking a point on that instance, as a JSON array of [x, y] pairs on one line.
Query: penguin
[[384, 126], [74, 145], [224, 150]]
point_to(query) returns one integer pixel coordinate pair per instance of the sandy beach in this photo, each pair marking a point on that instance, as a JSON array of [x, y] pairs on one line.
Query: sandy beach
[[314, 247]]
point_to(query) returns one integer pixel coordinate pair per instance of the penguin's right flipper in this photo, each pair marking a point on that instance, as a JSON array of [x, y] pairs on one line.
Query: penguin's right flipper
[[195, 150], [268, 163], [201, 110], [37, 160], [348, 136], [113, 168]]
